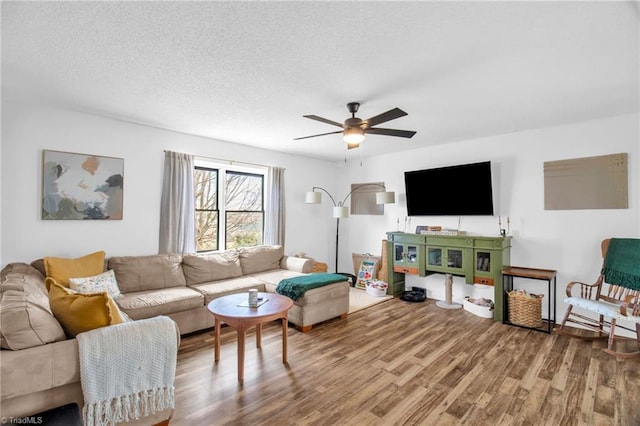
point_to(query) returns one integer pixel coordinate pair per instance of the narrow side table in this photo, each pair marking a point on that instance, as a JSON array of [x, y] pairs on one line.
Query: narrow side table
[[548, 275]]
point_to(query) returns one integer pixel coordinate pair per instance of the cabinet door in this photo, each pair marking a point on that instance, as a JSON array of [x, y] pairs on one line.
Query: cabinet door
[[398, 254], [406, 258], [454, 258], [412, 255], [484, 266], [447, 259], [434, 257]]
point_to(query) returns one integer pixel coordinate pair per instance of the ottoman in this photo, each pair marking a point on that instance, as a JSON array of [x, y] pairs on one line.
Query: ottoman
[[320, 304]]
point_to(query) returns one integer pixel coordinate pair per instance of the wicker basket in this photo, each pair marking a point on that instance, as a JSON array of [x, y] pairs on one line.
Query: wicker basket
[[319, 267], [525, 310]]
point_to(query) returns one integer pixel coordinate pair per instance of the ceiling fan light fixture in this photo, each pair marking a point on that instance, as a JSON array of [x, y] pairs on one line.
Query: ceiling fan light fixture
[[353, 135], [354, 128]]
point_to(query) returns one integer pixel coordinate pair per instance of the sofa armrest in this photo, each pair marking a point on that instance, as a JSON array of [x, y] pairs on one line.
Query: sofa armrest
[[36, 369], [297, 264]]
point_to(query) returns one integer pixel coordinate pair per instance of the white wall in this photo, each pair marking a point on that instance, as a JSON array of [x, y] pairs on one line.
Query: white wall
[[568, 241], [27, 130]]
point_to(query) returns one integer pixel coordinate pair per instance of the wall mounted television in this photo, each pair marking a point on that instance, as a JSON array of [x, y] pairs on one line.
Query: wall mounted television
[[460, 190]]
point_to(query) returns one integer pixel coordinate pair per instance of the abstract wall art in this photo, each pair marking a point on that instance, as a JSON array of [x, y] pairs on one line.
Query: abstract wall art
[[81, 186]]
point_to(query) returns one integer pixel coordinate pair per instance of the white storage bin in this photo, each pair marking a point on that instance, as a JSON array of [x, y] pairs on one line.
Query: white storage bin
[[481, 311], [376, 288]]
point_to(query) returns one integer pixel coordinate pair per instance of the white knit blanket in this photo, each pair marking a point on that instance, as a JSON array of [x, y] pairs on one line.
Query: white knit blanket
[[127, 370]]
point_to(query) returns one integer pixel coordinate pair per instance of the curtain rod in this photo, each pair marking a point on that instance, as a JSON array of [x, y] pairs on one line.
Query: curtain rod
[[231, 162]]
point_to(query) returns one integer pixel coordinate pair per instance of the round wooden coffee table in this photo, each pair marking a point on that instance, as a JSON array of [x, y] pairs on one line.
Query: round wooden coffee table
[[225, 309]]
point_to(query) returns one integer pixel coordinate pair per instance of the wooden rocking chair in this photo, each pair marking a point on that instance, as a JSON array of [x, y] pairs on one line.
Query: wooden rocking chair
[[610, 297]]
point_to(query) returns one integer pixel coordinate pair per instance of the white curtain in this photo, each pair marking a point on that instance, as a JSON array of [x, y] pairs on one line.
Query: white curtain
[[275, 214], [177, 206]]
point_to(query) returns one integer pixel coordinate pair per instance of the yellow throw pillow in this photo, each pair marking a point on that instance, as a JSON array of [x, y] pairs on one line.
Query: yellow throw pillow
[[78, 312], [62, 269]]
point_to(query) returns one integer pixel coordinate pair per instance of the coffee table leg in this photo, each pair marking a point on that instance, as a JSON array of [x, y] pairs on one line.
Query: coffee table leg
[[241, 336], [259, 335], [285, 322], [217, 343]]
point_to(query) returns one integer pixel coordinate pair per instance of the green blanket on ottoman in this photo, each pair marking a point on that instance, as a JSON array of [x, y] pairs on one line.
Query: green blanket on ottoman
[[295, 288]]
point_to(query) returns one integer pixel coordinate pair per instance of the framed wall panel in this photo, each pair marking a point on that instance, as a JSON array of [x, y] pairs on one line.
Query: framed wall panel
[[363, 198], [586, 183]]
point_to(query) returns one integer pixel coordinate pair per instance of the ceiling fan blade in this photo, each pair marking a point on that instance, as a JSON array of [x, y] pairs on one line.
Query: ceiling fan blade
[[324, 120], [392, 114], [321, 134], [391, 132]]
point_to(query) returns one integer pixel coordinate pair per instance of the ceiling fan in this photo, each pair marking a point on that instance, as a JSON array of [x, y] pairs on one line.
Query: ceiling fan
[[354, 128]]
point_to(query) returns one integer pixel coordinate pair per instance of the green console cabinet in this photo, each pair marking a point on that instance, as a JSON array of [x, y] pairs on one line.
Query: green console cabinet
[[479, 259]]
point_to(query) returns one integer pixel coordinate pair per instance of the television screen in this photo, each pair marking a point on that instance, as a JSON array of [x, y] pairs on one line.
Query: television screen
[[460, 190]]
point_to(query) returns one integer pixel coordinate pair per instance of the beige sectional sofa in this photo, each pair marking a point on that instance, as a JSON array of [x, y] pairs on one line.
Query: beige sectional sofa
[[181, 286], [46, 374]]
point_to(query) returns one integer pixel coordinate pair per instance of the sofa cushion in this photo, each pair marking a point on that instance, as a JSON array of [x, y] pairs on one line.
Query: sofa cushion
[[82, 312], [22, 270], [39, 265], [61, 269], [216, 289], [26, 319], [147, 304], [272, 278], [140, 273], [211, 267], [105, 281], [260, 258]]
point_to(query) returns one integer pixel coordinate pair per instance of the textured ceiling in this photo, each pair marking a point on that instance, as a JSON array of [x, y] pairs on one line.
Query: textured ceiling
[[247, 72]]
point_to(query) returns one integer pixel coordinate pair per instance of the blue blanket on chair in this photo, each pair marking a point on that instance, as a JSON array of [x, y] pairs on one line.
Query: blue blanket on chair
[[622, 263], [295, 288]]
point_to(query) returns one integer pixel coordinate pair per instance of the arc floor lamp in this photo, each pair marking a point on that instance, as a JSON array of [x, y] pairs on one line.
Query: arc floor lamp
[[340, 211]]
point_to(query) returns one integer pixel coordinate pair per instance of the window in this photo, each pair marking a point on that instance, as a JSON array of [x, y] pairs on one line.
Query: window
[[229, 207], [205, 182]]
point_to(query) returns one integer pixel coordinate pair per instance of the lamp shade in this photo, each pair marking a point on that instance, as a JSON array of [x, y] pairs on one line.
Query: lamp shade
[[340, 212], [313, 197], [387, 197]]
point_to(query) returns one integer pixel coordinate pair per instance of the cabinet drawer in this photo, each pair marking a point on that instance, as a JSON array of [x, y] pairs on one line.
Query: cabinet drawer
[[405, 270], [450, 241], [494, 243], [482, 280], [410, 239]]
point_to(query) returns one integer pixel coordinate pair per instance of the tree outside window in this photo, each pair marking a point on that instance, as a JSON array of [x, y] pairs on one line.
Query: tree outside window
[[239, 221]]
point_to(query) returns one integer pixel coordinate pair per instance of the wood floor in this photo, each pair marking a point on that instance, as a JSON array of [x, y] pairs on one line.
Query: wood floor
[[399, 363]]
